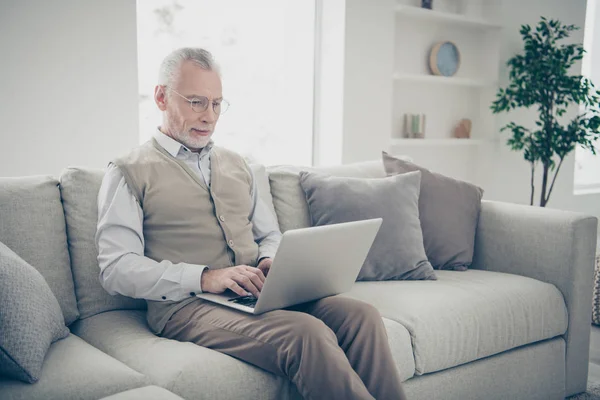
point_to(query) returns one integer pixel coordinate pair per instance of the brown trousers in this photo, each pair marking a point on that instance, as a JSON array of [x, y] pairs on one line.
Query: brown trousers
[[333, 348]]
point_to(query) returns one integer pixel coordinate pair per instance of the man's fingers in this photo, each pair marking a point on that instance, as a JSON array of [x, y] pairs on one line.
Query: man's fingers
[[254, 278], [255, 271], [264, 268], [231, 284], [246, 283]]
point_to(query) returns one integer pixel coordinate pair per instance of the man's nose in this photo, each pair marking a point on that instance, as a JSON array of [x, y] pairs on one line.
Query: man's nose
[[208, 116]]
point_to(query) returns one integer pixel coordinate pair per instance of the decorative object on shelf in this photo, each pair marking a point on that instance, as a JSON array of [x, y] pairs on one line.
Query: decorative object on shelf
[[414, 126], [462, 130], [444, 59], [539, 79], [428, 4]]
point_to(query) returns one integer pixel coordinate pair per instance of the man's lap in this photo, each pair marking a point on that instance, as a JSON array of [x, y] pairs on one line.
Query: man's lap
[[203, 315]]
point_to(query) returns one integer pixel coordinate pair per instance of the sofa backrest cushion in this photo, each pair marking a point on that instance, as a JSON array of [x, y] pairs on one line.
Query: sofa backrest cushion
[[289, 198], [32, 224], [79, 190], [263, 186]]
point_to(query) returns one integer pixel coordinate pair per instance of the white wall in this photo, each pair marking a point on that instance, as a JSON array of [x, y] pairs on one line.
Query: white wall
[[328, 124], [68, 78], [369, 61]]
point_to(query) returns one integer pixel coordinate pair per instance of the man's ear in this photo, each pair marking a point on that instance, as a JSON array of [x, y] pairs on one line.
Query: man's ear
[[160, 97]]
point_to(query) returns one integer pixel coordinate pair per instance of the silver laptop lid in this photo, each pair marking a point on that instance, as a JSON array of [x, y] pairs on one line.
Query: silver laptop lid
[[316, 262]]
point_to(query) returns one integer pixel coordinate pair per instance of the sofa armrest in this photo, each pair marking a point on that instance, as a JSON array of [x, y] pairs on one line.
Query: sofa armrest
[[553, 246]]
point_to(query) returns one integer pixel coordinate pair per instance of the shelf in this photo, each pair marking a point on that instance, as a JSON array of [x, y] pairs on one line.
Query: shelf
[[436, 142], [432, 15], [400, 77]]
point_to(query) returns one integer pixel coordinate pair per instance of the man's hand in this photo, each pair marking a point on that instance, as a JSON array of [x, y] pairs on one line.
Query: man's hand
[[265, 265], [241, 279]]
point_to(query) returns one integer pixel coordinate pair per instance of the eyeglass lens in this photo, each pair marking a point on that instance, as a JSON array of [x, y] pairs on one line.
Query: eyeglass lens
[[200, 104]]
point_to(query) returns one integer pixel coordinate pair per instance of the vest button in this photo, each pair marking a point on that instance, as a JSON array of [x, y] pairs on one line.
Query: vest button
[[164, 297], [192, 294], [230, 243], [222, 218]]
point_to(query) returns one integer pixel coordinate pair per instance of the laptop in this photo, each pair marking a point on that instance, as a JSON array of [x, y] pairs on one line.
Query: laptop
[[311, 263]]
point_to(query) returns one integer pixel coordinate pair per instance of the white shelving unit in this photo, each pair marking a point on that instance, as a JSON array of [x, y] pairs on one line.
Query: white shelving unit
[[443, 80], [436, 142], [440, 16], [445, 100]]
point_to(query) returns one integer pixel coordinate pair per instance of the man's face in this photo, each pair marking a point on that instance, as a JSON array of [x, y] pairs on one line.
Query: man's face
[[190, 128]]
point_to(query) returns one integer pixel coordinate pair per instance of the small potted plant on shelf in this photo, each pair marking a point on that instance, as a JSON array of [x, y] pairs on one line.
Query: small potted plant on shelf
[[539, 77]]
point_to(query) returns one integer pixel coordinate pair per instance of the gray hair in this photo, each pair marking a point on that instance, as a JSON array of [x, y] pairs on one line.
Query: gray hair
[[169, 68]]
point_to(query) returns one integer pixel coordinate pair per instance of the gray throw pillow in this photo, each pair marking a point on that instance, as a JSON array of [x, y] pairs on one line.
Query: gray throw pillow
[[30, 318], [397, 252], [449, 212]]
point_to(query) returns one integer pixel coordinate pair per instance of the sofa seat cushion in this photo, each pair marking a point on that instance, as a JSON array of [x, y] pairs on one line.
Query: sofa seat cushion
[[145, 393], [467, 315], [74, 369], [401, 347], [190, 371]]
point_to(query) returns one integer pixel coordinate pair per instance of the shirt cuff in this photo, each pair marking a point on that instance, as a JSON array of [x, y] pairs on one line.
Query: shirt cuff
[[265, 254], [191, 279]]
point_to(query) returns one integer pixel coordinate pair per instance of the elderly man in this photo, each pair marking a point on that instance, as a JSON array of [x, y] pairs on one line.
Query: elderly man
[[179, 216]]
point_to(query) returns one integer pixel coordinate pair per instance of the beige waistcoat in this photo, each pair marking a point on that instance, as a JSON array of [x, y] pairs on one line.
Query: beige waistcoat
[[186, 221]]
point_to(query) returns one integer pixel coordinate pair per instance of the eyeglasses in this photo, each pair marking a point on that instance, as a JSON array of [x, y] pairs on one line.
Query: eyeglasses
[[200, 103]]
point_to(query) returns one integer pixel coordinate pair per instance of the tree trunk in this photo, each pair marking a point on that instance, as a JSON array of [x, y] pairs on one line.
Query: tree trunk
[[543, 198], [532, 184], [562, 158]]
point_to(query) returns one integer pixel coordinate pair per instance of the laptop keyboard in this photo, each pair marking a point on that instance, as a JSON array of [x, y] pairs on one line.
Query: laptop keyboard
[[248, 301]]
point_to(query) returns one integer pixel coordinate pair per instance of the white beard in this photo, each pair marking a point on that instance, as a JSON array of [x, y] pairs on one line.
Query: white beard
[[193, 142], [185, 137]]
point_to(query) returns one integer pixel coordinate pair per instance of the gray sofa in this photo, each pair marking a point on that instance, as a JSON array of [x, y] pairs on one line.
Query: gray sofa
[[516, 325]]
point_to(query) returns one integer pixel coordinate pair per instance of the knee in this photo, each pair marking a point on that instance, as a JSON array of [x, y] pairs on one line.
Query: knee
[[357, 310], [309, 328], [362, 316], [366, 312]]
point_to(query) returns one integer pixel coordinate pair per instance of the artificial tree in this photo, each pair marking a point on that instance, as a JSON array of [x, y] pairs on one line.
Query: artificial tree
[[539, 77]]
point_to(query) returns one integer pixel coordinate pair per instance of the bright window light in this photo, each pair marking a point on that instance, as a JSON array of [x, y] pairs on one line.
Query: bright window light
[[266, 52], [587, 166]]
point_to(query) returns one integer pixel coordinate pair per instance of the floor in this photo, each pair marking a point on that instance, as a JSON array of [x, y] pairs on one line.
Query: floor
[[594, 374]]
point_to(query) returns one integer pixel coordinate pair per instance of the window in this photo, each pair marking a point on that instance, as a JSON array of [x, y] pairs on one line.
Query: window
[[587, 166], [265, 49]]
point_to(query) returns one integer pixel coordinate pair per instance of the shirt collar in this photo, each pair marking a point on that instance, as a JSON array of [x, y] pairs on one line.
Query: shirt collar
[[173, 147]]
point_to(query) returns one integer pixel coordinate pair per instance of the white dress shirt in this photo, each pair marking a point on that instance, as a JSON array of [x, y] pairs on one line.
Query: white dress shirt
[[120, 238]]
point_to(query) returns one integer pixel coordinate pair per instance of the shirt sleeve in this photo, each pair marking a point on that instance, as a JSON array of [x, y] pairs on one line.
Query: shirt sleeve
[[264, 225], [120, 241]]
